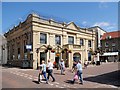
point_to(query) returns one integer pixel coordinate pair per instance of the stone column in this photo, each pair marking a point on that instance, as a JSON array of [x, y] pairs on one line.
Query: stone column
[[86, 49], [65, 39], [35, 42]]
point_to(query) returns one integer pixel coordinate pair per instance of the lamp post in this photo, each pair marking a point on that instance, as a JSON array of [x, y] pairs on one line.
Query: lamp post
[[49, 48], [37, 51]]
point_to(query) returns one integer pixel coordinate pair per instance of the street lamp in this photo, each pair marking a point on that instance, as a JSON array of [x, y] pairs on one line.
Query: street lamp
[[48, 48], [37, 51]]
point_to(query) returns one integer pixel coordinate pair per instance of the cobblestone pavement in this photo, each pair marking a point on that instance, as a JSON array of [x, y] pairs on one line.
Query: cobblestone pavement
[[103, 76]]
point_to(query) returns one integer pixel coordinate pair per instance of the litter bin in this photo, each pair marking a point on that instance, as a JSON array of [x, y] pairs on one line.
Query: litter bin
[[97, 62]]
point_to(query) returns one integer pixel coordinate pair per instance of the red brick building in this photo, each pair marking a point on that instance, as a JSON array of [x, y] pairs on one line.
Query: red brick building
[[110, 43]]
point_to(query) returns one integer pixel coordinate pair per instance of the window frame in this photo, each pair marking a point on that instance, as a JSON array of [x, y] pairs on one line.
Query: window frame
[[69, 41], [59, 42], [81, 40], [89, 44], [45, 40]]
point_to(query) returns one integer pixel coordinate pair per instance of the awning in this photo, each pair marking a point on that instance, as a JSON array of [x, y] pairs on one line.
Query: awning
[[110, 54]]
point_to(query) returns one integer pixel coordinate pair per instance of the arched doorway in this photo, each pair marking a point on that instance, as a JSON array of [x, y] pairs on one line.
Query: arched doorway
[[76, 57], [43, 56]]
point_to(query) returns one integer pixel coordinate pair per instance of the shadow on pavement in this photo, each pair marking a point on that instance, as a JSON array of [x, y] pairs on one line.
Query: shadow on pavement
[[111, 78], [69, 81], [36, 82]]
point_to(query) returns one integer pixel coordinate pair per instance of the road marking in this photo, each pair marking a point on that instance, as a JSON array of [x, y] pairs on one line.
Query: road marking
[[29, 77], [51, 84], [21, 75], [17, 74], [25, 76], [64, 85], [61, 87], [67, 85], [36, 78], [57, 83]]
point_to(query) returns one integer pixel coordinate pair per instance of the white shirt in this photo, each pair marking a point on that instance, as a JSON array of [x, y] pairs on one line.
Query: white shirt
[[50, 65], [79, 66], [62, 64], [43, 67]]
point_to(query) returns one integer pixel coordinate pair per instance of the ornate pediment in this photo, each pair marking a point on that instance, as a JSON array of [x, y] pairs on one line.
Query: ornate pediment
[[72, 25]]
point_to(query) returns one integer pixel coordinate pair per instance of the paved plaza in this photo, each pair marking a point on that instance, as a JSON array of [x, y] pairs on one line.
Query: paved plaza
[[103, 76]]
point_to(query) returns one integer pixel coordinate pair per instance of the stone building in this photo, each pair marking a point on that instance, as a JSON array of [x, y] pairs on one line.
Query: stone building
[[3, 50], [38, 39], [111, 46], [99, 32]]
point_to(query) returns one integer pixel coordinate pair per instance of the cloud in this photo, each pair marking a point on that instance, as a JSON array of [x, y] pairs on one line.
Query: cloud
[[84, 22], [106, 25], [20, 19], [103, 4], [111, 27], [102, 24]]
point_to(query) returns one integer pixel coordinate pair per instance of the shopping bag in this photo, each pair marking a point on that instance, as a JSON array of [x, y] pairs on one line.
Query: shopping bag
[[40, 77], [75, 76]]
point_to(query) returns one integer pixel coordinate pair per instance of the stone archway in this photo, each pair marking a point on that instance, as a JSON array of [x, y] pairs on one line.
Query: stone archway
[[76, 56]]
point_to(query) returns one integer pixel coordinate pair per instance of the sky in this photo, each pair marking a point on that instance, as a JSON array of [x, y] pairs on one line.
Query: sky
[[83, 14]]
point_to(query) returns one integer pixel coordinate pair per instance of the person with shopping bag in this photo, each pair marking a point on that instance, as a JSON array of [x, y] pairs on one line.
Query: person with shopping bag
[[44, 71], [79, 72], [40, 74]]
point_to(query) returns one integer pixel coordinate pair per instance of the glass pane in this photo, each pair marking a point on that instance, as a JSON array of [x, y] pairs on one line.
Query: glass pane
[[43, 38]]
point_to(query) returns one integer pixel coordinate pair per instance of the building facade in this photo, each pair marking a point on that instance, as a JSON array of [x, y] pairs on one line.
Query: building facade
[[111, 46], [38, 39], [3, 50], [99, 33]]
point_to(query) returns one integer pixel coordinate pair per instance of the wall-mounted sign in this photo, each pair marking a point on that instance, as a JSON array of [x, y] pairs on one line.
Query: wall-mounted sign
[[29, 47]]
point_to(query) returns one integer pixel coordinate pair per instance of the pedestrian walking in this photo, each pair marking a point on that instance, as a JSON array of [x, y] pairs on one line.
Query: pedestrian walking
[[50, 70], [40, 74], [44, 71], [74, 65], [79, 72], [85, 64], [75, 75], [62, 67]]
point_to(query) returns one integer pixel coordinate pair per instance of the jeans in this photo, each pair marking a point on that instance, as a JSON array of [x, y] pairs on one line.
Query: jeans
[[79, 73], [44, 74], [62, 70], [50, 74]]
